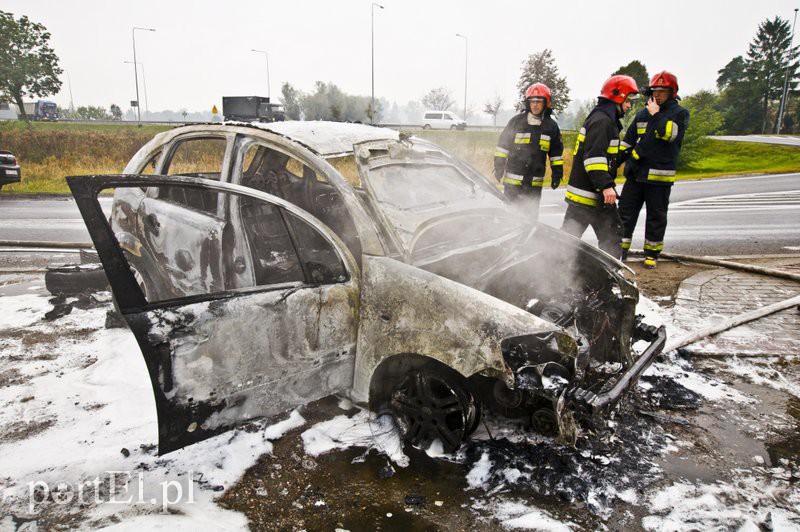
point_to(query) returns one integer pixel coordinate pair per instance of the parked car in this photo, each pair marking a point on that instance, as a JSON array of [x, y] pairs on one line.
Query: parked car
[[264, 266], [442, 120], [9, 169]]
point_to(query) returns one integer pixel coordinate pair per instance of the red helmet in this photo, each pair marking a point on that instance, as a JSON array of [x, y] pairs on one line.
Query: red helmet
[[617, 88], [665, 79], [538, 90]]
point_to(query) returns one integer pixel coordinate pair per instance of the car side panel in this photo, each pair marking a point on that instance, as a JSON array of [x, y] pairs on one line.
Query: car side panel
[[405, 310]]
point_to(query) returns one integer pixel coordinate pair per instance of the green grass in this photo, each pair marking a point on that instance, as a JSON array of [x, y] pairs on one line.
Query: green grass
[[720, 157], [50, 151]]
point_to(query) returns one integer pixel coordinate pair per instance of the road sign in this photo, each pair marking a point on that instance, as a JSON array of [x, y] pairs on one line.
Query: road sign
[[214, 110], [134, 103]]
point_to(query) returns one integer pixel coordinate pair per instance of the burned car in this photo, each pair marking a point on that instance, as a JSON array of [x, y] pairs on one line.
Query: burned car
[[264, 266]]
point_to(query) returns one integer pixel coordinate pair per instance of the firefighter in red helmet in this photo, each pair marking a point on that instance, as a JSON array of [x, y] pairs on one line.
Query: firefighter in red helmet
[[520, 159], [650, 147], [591, 196]]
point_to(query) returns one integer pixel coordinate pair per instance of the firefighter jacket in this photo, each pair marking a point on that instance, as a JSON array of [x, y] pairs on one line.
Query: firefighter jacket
[[594, 159], [521, 154], [651, 144]]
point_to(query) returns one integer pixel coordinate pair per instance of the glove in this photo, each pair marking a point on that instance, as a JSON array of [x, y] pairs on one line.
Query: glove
[[555, 179]]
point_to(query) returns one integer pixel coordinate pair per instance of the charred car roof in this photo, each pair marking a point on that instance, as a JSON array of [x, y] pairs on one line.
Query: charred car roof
[[326, 139]]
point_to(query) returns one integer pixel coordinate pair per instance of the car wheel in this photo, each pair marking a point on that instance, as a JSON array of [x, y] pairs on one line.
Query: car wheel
[[544, 422], [433, 403], [453, 128], [426, 126]]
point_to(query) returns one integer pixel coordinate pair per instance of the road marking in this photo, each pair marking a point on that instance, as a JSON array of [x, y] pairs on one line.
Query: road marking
[[783, 200]]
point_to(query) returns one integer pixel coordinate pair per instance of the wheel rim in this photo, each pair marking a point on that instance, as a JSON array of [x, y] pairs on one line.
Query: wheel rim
[[429, 406]]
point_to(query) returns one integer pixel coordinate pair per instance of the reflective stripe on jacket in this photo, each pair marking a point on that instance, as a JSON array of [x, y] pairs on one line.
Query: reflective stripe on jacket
[[594, 162], [653, 143], [521, 154]]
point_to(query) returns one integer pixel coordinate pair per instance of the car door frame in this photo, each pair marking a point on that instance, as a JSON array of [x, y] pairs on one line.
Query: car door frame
[[133, 304]]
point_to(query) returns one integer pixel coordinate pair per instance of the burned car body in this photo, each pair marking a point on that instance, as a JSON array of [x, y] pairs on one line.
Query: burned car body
[[264, 266]]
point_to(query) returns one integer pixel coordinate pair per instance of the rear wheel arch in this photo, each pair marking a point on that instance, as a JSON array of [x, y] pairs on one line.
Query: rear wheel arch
[[391, 372]]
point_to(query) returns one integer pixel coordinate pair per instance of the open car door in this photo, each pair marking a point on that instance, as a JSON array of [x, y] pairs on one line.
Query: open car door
[[276, 329]]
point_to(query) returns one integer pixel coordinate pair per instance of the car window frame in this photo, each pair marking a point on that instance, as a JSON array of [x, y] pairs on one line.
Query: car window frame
[[168, 151], [88, 188]]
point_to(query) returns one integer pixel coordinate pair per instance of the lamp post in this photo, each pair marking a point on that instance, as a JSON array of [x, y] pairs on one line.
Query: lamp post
[[69, 84], [266, 56], [144, 82], [466, 60], [372, 107], [136, 71], [785, 92]]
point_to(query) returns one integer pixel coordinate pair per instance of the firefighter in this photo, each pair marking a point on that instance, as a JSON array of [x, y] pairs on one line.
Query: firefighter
[[591, 196], [522, 151], [651, 147]]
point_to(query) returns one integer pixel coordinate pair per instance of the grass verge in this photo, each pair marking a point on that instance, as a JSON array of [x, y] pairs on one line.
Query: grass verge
[[50, 151]]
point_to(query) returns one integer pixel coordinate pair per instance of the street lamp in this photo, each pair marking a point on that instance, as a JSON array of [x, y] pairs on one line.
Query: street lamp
[[144, 82], [786, 77], [466, 59], [136, 71], [372, 108], [69, 84], [266, 55]]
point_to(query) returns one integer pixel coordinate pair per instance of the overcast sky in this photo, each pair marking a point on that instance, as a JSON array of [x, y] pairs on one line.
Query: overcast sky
[[200, 50]]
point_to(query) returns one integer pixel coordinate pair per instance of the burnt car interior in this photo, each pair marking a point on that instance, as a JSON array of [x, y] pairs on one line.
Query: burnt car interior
[[277, 173]]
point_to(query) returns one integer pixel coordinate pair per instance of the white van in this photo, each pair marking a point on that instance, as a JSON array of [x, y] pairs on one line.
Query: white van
[[442, 120]]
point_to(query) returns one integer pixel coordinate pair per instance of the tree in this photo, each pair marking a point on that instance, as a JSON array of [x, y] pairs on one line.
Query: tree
[[767, 59], [439, 99], [492, 107], [541, 68], [116, 112], [329, 102], [751, 86], [290, 98], [732, 73], [91, 112], [705, 120], [637, 71], [28, 66]]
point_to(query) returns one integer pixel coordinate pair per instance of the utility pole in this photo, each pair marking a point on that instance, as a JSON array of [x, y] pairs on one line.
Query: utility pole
[[136, 71], [785, 92], [466, 61], [372, 108], [266, 56]]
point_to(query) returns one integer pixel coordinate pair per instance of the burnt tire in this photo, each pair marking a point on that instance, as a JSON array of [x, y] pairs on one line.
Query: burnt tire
[[544, 422], [73, 280], [434, 403]]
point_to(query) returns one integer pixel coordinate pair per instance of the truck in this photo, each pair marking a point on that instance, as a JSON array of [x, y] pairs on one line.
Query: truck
[[42, 110], [252, 109]]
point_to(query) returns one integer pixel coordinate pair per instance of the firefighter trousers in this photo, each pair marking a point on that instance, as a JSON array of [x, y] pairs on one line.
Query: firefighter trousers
[[604, 221], [525, 198], [655, 198]]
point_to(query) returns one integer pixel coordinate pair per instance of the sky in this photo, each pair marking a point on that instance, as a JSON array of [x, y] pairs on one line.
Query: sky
[[201, 50]]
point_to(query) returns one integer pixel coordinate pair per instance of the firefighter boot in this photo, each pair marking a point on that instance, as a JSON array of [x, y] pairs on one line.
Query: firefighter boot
[[649, 262]]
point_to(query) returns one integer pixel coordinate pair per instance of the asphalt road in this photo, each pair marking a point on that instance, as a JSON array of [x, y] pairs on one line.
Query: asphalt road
[[734, 216], [785, 140]]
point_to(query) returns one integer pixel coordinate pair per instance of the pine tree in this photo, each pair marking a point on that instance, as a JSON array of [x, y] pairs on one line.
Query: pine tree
[[541, 68]]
